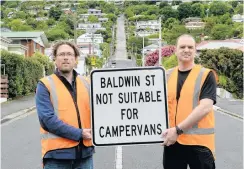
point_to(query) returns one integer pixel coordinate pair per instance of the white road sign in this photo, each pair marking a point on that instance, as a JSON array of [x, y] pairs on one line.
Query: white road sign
[[129, 106]]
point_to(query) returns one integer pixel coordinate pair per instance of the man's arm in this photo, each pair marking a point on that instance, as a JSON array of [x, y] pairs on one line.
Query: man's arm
[[207, 100], [48, 120], [197, 114]]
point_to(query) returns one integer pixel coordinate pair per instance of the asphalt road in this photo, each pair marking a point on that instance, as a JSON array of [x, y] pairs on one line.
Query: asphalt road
[[20, 147]]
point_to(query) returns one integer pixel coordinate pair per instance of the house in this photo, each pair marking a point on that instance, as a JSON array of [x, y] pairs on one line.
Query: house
[[41, 18], [145, 33], [150, 48], [193, 19], [150, 25], [87, 49], [33, 41], [94, 11], [216, 44], [238, 18], [90, 38], [102, 20], [13, 48], [194, 25], [146, 28], [10, 14], [67, 10], [95, 26]]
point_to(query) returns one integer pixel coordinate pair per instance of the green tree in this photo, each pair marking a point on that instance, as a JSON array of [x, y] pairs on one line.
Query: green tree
[[170, 35], [42, 26], [55, 13], [50, 21], [184, 10], [163, 4], [56, 34], [137, 43], [171, 22], [129, 13], [111, 17], [218, 8], [226, 19], [198, 10], [167, 12], [221, 32], [238, 30], [17, 25], [239, 9], [234, 4], [92, 19], [11, 4], [20, 15]]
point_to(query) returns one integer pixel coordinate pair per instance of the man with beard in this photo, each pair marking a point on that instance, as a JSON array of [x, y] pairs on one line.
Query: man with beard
[[63, 107], [190, 140]]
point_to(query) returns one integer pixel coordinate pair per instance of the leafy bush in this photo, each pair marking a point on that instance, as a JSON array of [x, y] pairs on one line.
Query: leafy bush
[[170, 62], [44, 60], [166, 51], [228, 64], [24, 73]]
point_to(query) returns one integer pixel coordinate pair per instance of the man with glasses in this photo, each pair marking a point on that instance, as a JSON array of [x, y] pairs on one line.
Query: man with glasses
[[62, 102]]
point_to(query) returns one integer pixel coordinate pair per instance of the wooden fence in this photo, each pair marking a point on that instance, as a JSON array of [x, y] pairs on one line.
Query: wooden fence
[[4, 86]]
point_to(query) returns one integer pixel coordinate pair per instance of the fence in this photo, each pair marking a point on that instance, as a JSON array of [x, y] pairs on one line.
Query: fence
[[4, 86]]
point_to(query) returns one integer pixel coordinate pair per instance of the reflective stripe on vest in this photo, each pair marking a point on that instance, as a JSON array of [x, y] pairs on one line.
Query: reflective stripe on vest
[[54, 98], [197, 89]]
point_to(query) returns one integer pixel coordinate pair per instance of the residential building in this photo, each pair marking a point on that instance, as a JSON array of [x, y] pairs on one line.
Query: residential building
[[146, 28], [87, 49], [13, 48], [238, 18], [102, 20], [94, 11], [145, 33], [10, 14], [33, 41], [194, 25], [150, 25], [193, 19], [216, 44], [41, 18], [95, 26], [90, 38], [150, 48]]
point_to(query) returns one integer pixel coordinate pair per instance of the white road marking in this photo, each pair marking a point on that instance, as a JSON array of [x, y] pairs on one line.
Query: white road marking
[[119, 158], [16, 116], [227, 113]]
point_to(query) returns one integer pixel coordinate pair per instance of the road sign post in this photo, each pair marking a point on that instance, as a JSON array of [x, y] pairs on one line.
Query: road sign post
[[129, 106]]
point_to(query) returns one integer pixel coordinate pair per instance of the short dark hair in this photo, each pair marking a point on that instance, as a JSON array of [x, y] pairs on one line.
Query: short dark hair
[[60, 43], [185, 35]]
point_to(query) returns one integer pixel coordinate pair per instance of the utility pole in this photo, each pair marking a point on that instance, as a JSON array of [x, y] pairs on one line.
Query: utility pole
[[160, 37], [143, 56]]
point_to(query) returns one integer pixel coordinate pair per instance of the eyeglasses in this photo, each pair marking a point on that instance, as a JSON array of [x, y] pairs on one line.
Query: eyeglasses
[[66, 54]]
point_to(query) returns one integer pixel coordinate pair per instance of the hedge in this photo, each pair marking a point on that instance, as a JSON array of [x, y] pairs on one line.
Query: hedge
[[228, 63], [23, 73]]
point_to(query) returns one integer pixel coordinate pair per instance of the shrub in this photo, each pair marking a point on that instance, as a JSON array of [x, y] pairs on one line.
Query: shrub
[[23, 73]]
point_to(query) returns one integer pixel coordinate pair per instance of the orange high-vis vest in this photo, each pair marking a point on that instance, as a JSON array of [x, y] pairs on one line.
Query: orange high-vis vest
[[64, 108], [201, 133]]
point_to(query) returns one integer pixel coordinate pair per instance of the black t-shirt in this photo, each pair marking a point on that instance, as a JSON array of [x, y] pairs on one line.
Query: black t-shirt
[[208, 89]]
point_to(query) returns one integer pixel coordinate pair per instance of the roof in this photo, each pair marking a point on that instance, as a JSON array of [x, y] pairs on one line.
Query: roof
[[28, 35], [216, 44], [152, 46]]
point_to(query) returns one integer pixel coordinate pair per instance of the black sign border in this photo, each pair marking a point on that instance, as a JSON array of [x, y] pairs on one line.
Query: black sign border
[[125, 69]]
